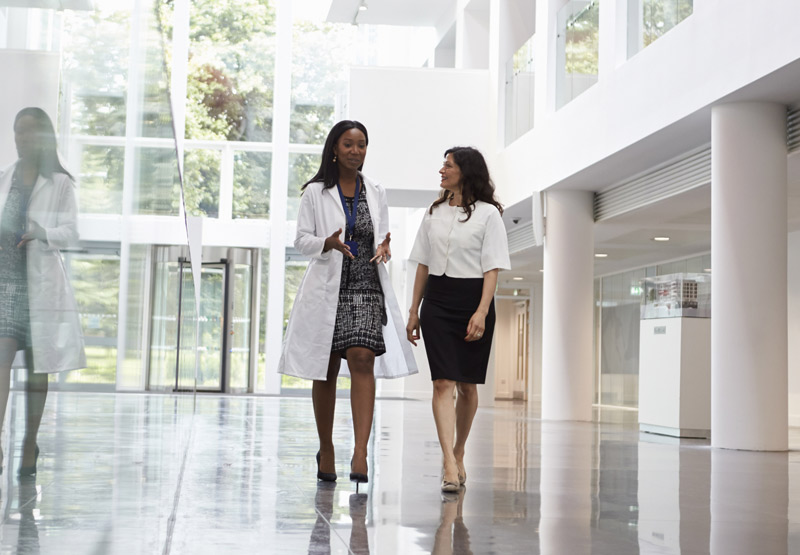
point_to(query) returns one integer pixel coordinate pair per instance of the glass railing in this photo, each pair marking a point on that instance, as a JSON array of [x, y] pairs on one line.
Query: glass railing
[[577, 49], [519, 89], [648, 20]]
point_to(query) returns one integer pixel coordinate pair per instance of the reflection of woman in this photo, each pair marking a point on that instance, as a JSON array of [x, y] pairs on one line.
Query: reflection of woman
[[460, 247], [344, 307], [38, 313], [452, 536]]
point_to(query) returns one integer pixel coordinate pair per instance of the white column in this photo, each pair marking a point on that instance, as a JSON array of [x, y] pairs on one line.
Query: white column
[[282, 99], [567, 307], [749, 407]]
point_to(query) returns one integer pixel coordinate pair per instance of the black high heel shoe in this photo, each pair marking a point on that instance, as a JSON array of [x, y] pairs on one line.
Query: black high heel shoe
[[324, 476], [29, 470], [357, 477]]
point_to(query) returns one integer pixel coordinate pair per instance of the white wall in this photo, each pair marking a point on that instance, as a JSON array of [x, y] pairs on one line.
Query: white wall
[[794, 328], [413, 116], [719, 49], [35, 83]]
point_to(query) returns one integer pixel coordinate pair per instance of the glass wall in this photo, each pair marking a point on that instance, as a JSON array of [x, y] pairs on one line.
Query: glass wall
[[617, 301], [577, 49], [519, 88], [648, 20]]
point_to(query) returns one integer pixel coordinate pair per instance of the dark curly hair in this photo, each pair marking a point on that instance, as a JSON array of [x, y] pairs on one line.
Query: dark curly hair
[[476, 184], [328, 172]]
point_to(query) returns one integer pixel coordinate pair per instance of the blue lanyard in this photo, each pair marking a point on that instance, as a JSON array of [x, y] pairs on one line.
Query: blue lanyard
[[350, 216]]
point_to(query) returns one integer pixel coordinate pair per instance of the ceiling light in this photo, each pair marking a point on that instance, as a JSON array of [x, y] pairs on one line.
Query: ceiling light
[[541, 271], [707, 270], [517, 278], [363, 6], [661, 239], [600, 255]]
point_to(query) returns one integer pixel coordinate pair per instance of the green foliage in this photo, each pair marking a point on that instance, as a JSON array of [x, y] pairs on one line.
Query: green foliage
[[251, 188], [321, 55], [95, 67], [201, 168], [659, 16], [583, 41], [231, 61], [100, 178]]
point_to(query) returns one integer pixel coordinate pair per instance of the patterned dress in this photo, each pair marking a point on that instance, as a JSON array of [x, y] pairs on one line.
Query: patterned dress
[[14, 318], [360, 312]]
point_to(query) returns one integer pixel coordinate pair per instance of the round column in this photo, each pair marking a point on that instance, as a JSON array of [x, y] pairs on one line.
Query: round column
[[567, 307], [749, 360]]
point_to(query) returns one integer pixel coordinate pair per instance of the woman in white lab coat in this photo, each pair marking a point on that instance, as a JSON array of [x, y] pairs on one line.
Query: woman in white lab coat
[[345, 308], [38, 312]]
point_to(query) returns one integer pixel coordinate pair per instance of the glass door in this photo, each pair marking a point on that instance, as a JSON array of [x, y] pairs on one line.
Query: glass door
[[221, 332], [211, 351]]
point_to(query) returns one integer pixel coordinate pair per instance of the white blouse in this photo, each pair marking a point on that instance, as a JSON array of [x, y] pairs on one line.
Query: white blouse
[[448, 245]]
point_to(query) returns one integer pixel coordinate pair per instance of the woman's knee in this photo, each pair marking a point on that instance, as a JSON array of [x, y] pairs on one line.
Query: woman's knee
[[443, 387], [468, 390], [360, 360]]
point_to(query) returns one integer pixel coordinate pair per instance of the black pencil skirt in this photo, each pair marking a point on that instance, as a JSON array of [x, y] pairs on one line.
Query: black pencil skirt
[[448, 305]]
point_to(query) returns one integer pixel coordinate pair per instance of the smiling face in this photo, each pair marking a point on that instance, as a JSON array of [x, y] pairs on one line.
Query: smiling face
[[451, 175], [350, 150]]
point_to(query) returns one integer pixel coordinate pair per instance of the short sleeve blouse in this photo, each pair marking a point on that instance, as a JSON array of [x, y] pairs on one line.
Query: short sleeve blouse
[[462, 249]]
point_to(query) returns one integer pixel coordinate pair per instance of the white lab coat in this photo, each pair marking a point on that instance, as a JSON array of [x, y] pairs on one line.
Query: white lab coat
[[56, 337], [309, 334]]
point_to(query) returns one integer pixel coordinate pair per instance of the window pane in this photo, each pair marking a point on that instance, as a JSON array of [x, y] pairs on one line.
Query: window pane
[[294, 274], [578, 48], [302, 167], [201, 175], [158, 187], [319, 78], [251, 184], [95, 76], [231, 70], [95, 281], [100, 179]]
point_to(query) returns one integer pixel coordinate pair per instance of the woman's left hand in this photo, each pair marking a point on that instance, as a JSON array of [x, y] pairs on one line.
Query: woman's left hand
[[383, 253], [36, 232], [476, 327]]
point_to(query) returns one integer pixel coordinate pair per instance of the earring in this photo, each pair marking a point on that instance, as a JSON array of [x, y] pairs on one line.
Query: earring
[[334, 158]]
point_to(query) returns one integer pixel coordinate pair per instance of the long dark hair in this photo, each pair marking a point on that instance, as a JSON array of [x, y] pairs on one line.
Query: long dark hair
[[48, 162], [328, 172], [476, 184]]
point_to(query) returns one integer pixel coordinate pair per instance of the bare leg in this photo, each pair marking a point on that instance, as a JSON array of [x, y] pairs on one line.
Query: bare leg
[[466, 407], [444, 413], [36, 390], [8, 348], [323, 396], [361, 362]]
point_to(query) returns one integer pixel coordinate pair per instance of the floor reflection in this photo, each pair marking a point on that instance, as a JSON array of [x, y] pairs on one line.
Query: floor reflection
[[134, 474], [452, 536]]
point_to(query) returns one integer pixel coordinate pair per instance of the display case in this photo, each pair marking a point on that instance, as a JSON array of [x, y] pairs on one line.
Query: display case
[[675, 356], [676, 296]]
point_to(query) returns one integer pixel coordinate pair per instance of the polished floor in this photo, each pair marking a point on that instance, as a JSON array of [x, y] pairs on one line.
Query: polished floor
[[129, 474]]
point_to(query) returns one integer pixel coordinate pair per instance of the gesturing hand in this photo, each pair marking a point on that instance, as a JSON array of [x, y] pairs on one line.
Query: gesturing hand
[[334, 243], [383, 253]]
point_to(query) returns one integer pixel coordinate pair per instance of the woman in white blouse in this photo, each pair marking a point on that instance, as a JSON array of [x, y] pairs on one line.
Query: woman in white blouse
[[460, 248]]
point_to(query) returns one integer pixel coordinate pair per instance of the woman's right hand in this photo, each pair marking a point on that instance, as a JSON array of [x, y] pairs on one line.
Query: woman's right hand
[[412, 328], [334, 243]]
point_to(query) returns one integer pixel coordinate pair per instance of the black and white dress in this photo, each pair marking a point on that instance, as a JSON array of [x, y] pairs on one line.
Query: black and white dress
[[14, 315], [360, 312]]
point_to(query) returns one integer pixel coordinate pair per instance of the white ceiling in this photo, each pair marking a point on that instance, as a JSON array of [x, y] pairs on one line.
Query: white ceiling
[[415, 13]]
